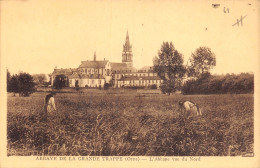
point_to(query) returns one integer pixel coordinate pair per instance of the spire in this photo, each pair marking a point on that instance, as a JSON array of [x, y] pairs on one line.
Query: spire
[[127, 46], [127, 36], [127, 56], [95, 57]]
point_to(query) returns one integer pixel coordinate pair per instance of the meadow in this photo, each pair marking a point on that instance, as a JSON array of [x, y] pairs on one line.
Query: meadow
[[125, 123]]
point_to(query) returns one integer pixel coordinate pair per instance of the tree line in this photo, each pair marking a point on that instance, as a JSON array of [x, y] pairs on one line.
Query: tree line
[[169, 65], [220, 84]]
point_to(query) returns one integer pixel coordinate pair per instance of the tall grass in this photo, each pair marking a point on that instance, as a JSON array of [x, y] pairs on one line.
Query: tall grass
[[111, 123]]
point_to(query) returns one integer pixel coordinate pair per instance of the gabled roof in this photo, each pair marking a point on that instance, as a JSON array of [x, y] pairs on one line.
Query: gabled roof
[[74, 76], [117, 65], [93, 64], [67, 71]]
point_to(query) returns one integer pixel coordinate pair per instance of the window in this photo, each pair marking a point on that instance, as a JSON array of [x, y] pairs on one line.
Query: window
[[99, 81], [93, 81]]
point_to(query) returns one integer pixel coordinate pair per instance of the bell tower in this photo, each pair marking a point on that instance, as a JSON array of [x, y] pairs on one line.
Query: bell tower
[[127, 56]]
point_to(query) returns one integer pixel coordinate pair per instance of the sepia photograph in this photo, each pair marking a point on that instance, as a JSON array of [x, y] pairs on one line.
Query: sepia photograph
[[125, 83]]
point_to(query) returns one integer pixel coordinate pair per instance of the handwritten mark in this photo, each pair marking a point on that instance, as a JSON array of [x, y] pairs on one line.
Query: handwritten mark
[[240, 21], [215, 5], [226, 11]]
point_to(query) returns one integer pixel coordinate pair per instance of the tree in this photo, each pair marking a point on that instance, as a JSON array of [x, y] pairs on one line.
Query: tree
[[13, 85], [8, 79], [106, 86], [169, 67], [22, 84], [77, 85], [201, 61], [39, 79], [59, 82], [26, 84]]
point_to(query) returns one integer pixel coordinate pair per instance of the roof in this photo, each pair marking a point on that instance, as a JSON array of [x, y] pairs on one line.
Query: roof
[[123, 70], [85, 76], [93, 64], [127, 78], [74, 76], [117, 65], [67, 71], [95, 76], [133, 72], [92, 76], [146, 69]]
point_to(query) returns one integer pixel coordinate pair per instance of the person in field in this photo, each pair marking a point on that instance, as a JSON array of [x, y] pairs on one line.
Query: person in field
[[49, 104], [189, 108]]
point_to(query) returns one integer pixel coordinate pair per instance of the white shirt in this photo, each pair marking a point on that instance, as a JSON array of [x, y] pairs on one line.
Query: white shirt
[[51, 105]]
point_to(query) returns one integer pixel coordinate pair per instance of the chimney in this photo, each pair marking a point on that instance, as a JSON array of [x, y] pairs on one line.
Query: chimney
[[95, 57]]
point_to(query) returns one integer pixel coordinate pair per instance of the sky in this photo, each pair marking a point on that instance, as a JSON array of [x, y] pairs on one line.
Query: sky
[[37, 35]]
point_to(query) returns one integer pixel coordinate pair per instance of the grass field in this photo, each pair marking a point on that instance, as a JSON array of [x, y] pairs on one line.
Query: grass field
[[118, 122]]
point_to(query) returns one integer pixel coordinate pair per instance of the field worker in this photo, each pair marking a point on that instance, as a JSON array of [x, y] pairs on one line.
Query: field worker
[[189, 107], [49, 106]]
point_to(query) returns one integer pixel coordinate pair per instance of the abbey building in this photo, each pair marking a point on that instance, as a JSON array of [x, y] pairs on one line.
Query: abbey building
[[95, 73]]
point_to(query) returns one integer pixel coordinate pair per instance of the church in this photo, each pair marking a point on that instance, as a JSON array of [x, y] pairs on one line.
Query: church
[[96, 73]]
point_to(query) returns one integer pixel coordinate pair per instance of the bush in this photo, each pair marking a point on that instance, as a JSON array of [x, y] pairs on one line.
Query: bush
[[106, 86], [166, 88], [218, 84], [59, 82], [134, 87], [153, 86]]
